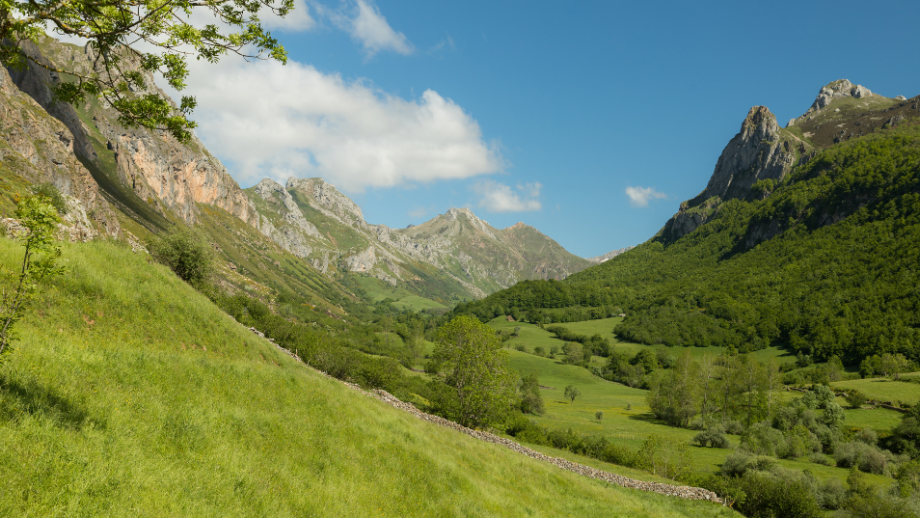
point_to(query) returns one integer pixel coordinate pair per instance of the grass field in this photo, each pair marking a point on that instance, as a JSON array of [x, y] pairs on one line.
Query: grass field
[[629, 427], [883, 389], [378, 290], [130, 394], [532, 336]]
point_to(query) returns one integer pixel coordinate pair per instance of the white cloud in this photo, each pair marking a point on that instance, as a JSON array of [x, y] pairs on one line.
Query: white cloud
[[280, 121], [367, 25], [640, 196], [498, 197], [297, 20]]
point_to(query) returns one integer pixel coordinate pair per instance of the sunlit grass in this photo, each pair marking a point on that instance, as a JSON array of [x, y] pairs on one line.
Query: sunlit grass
[[130, 394]]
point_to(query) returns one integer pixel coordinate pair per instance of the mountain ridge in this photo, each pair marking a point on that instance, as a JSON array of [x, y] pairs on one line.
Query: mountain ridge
[[150, 182]]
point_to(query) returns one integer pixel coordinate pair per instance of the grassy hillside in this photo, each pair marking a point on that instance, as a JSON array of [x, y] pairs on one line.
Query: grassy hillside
[[130, 394]]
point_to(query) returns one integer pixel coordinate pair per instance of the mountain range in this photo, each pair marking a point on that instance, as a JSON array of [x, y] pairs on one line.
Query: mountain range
[[304, 236]]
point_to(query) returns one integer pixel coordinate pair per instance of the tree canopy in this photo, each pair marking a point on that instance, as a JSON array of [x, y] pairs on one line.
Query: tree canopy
[[133, 38], [478, 369]]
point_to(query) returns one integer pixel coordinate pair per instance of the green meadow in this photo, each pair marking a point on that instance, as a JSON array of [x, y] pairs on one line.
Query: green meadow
[[532, 336], [130, 394], [630, 427], [883, 389]]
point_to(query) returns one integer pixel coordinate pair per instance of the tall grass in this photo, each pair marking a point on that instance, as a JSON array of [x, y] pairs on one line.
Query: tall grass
[[130, 394]]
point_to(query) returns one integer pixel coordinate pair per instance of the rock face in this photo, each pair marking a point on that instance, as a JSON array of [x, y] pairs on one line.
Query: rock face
[[837, 90], [153, 179], [150, 162], [610, 255], [757, 152], [40, 149]]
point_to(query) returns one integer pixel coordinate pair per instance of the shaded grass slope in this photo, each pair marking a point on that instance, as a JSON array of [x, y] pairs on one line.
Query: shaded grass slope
[[130, 394]]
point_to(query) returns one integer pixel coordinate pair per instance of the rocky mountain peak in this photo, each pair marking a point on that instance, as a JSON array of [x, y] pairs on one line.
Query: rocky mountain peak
[[329, 198], [267, 188], [757, 152], [837, 90]]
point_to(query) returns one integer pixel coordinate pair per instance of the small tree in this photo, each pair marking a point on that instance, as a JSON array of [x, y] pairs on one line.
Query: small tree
[[39, 217], [478, 370], [572, 392], [186, 253], [531, 399], [599, 415], [856, 399]]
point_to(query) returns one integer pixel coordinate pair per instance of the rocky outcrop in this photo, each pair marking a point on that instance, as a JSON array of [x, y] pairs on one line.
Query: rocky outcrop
[[610, 255], [838, 89], [757, 152], [150, 162], [40, 148], [328, 198]]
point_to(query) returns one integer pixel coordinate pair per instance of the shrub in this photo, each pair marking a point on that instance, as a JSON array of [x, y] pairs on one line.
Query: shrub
[[768, 496], [185, 252], [521, 347], [734, 427], [52, 194], [761, 439], [599, 415], [539, 351], [856, 399], [867, 436], [712, 438], [866, 458], [831, 494], [820, 458]]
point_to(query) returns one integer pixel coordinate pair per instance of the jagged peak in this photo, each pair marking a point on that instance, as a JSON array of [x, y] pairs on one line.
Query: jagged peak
[[838, 89], [267, 187], [757, 116]]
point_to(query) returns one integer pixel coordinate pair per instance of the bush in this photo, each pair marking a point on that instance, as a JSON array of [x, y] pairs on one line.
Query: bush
[[832, 494], [856, 399], [713, 438], [820, 458], [769, 496], [761, 439], [49, 191], [866, 458], [734, 427], [185, 252]]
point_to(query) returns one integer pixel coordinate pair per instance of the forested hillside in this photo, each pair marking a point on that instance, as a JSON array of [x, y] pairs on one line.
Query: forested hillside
[[825, 263]]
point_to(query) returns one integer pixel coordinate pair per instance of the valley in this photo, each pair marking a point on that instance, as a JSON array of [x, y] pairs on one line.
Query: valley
[[180, 345]]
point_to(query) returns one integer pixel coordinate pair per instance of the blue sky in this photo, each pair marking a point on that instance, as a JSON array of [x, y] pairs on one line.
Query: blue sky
[[541, 112]]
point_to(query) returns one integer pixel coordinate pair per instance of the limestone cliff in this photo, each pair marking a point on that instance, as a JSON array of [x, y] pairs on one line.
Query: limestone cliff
[[758, 152], [153, 164], [40, 149]]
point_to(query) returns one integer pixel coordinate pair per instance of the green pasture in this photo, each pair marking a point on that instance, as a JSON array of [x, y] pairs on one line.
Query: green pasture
[[130, 394], [883, 389], [532, 336], [627, 427], [378, 290]]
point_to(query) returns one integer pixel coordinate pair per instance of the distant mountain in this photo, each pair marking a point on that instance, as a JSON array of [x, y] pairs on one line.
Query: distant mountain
[[610, 255], [303, 237]]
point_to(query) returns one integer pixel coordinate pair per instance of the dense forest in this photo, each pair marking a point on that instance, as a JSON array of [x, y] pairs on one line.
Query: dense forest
[[825, 264]]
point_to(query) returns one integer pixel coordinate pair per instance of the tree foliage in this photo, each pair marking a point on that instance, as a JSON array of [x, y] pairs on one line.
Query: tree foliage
[[166, 28], [185, 252], [477, 368], [39, 218]]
